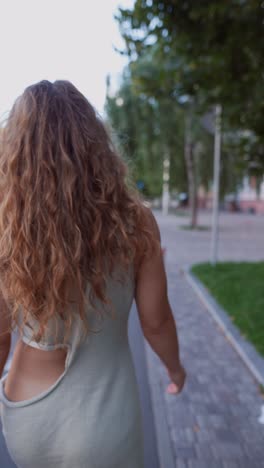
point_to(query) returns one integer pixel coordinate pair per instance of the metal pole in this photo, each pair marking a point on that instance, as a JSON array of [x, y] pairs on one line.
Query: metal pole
[[217, 155], [165, 186]]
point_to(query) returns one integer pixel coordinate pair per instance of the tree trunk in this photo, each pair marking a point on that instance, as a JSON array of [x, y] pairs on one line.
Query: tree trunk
[[191, 172]]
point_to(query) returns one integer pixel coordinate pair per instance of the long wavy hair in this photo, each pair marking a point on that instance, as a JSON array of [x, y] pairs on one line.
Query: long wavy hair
[[67, 203]]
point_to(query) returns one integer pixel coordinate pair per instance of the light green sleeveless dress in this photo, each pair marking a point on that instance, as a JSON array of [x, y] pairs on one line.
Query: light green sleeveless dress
[[90, 417]]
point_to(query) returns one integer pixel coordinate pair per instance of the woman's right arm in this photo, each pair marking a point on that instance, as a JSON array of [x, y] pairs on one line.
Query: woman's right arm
[[155, 314]]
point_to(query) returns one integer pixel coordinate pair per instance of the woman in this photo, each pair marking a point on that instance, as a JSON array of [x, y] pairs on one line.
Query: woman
[[76, 246]]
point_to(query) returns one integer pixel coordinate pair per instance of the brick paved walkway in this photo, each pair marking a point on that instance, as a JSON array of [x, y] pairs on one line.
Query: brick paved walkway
[[214, 422]]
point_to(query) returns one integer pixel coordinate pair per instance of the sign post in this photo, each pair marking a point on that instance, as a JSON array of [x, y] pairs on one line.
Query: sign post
[[217, 156], [165, 186]]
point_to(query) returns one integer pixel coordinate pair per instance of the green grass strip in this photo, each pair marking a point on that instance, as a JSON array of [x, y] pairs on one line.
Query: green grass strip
[[239, 289]]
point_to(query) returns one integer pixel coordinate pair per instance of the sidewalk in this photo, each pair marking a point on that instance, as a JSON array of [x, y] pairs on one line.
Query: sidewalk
[[213, 423]]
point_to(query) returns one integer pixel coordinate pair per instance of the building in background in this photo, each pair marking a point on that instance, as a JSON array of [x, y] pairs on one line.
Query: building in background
[[250, 197]]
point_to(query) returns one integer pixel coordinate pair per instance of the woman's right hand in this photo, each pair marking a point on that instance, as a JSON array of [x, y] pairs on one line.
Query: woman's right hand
[[177, 380]]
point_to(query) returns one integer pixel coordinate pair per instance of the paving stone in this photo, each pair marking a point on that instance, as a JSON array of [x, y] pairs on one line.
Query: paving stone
[[233, 464], [181, 463], [227, 450], [204, 451], [226, 435], [185, 453], [204, 435], [211, 463]]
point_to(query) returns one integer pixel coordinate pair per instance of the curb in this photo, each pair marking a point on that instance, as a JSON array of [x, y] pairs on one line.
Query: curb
[[246, 351], [165, 449]]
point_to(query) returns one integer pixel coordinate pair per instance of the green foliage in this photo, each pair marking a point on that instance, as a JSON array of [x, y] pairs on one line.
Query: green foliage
[[147, 129], [238, 287], [207, 51]]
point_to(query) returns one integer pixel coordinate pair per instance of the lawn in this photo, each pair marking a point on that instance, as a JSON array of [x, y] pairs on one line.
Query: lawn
[[239, 289]]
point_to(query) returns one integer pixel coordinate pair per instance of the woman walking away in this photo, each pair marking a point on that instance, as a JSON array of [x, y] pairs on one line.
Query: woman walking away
[[77, 245]]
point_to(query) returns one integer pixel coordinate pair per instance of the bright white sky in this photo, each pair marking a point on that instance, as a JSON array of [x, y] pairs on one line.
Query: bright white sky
[[59, 39]]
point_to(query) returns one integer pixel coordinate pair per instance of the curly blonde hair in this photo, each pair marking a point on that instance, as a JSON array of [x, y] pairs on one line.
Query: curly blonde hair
[[67, 203]]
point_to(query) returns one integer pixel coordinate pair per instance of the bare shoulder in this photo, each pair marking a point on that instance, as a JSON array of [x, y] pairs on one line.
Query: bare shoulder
[[152, 263], [150, 255], [151, 222]]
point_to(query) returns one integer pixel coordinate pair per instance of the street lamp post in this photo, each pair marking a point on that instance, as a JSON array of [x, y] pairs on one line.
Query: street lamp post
[[217, 156], [165, 187]]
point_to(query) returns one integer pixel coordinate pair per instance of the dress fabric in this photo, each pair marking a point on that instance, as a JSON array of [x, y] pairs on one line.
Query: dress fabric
[[90, 416]]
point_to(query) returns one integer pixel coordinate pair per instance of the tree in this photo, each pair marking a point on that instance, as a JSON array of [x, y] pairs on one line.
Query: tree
[[147, 128], [150, 77], [152, 126], [211, 51]]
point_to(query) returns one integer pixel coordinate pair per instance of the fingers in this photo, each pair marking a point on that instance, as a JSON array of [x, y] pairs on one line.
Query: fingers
[[172, 388], [177, 381]]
